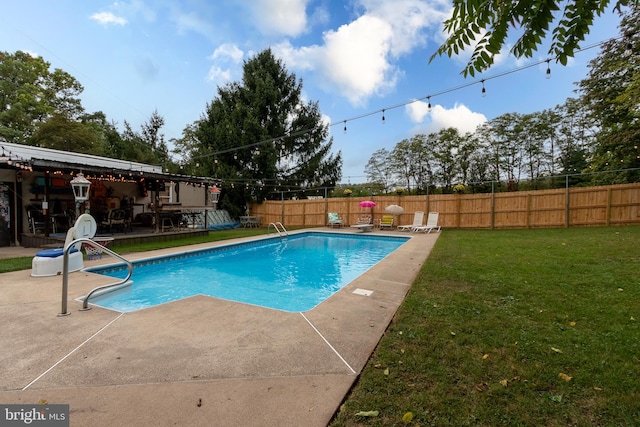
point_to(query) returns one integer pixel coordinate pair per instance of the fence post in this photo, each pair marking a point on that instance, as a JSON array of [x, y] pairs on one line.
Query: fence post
[[608, 209], [566, 201], [528, 210], [427, 200], [326, 205], [493, 205], [304, 214]]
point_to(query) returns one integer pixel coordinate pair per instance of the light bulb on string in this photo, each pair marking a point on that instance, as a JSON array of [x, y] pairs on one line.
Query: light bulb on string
[[428, 103], [629, 49], [383, 119], [548, 76], [484, 91], [345, 126]]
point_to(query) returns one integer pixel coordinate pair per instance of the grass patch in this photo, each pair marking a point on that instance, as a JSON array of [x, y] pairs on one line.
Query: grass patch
[[24, 263], [512, 327]]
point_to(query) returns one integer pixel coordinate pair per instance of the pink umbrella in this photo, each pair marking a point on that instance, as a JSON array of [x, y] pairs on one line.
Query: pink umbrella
[[367, 204]]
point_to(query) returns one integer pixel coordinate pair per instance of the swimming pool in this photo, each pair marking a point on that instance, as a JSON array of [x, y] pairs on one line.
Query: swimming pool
[[293, 273]]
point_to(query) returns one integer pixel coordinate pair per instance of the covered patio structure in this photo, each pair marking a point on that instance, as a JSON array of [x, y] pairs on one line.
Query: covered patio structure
[[37, 203]]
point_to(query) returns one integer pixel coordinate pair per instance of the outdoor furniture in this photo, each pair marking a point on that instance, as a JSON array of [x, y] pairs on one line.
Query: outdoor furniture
[[432, 223], [115, 221], [364, 223], [334, 220], [249, 221], [195, 218], [418, 217], [166, 223], [386, 222], [37, 221]]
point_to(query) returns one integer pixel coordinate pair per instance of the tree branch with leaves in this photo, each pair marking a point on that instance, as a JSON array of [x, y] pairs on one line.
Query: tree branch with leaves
[[485, 26]]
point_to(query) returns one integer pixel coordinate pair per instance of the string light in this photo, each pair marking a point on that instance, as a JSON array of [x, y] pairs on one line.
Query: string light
[[17, 162], [383, 119], [629, 49], [548, 70], [428, 98]]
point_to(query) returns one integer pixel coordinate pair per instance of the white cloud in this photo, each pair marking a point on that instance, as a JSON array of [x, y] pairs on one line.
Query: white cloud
[[357, 60], [459, 117], [279, 17], [408, 20], [228, 51], [304, 58], [108, 18], [228, 55], [417, 110], [218, 76]]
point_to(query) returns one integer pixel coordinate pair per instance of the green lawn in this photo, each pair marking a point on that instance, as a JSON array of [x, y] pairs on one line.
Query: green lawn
[[513, 327]]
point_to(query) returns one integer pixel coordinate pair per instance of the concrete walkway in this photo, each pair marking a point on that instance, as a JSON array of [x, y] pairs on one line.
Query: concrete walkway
[[200, 361]]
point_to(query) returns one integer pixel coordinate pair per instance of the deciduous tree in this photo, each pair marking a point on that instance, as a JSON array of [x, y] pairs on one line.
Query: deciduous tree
[[30, 94], [611, 94]]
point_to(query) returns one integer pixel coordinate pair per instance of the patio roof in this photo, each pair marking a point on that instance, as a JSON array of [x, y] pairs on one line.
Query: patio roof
[[45, 158]]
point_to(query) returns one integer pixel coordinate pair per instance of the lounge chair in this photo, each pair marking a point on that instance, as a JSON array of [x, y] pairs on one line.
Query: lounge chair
[[418, 217], [386, 222], [334, 220], [364, 223], [432, 223]]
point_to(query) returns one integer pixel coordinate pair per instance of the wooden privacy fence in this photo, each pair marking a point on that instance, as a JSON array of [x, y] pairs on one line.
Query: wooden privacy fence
[[568, 207]]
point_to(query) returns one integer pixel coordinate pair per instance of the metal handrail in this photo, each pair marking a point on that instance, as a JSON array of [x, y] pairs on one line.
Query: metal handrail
[[65, 273], [275, 226]]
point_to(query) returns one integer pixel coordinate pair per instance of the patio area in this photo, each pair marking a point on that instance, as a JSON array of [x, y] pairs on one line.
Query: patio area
[[199, 360]]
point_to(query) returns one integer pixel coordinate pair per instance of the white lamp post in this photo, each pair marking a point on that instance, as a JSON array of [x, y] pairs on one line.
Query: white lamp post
[[80, 186], [214, 195]]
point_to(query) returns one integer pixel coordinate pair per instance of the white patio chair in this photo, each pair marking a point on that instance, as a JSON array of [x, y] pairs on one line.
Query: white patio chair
[[418, 217], [432, 223]]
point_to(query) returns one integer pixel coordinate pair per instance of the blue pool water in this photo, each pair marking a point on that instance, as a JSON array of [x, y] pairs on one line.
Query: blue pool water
[[294, 274]]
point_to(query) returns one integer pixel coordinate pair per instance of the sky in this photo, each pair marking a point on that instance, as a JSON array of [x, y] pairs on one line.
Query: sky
[[356, 58]]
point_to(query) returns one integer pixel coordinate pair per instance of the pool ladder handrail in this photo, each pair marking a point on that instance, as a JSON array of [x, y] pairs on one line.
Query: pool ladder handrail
[[65, 273], [278, 227]]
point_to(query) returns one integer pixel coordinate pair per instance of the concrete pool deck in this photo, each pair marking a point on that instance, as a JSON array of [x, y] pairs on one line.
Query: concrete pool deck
[[198, 361]]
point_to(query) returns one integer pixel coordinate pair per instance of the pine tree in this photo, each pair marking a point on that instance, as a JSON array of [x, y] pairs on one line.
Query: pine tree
[[260, 138]]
